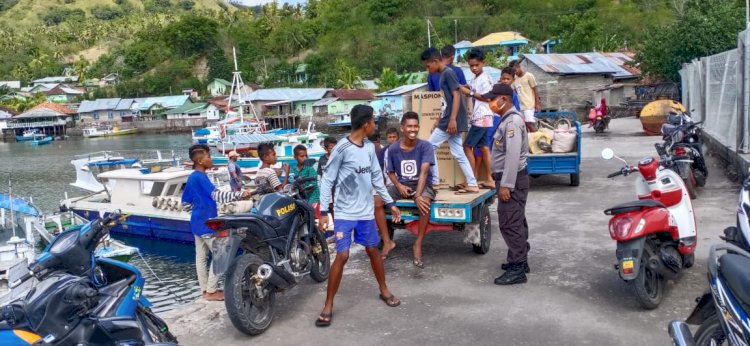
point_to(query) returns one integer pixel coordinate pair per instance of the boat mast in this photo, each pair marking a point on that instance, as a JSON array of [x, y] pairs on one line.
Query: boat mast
[[12, 214], [238, 86]]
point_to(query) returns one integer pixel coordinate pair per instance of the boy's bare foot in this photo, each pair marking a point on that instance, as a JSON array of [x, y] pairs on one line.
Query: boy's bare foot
[[387, 247], [214, 297]]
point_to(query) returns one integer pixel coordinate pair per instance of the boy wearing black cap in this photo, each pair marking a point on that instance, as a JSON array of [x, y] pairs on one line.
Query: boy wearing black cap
[[509, 150]]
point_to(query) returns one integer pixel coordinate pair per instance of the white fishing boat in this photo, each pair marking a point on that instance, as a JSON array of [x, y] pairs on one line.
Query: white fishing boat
[[93, 132], [150, 202], [88, 166], [206, 135], [16, 244]]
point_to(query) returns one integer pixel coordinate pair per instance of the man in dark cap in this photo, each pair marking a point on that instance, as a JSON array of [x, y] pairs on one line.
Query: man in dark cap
[[509, 150]]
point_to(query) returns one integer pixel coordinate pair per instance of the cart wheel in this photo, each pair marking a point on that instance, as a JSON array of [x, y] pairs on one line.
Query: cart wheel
[[485, 231], [575, 179]]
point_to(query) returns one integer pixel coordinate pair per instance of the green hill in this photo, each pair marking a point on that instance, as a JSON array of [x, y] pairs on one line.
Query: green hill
[[25, 13]]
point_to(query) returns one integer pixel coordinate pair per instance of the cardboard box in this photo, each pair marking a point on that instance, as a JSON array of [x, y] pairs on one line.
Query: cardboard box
[[428, 105]]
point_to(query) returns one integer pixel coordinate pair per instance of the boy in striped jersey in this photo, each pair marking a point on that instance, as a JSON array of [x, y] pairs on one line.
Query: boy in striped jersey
[[354, 169]]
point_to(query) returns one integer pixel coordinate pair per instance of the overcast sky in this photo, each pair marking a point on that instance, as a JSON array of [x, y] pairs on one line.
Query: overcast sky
[[261, 2]]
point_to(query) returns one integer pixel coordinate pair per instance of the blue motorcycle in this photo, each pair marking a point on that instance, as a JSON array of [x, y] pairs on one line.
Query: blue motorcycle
[[80, 299], [722, 312]]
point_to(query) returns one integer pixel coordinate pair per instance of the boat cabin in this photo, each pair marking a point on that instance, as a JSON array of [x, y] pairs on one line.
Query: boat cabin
[[132, 187]]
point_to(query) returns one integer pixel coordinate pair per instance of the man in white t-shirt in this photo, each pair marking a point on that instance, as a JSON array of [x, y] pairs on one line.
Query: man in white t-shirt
[[481, 117], [528, 94]]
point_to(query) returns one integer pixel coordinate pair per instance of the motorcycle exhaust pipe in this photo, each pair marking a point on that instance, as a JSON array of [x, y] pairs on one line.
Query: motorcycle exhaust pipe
[[281, 281], [658, 266]]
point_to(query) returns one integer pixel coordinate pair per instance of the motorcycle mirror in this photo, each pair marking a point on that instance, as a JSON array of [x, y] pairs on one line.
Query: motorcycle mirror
[[608, 154]]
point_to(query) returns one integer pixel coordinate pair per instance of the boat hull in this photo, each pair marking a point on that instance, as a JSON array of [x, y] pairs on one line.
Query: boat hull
[[148, 227], [43, 141]]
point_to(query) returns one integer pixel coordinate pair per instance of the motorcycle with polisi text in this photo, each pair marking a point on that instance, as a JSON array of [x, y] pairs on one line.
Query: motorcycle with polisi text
[[267, 251], [656, 235], [722, 312], [78, 299]]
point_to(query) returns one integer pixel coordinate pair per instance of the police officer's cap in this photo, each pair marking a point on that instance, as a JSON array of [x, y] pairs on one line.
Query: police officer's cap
[[499, 89]]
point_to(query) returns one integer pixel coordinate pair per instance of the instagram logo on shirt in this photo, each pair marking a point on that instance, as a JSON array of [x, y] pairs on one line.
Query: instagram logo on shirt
[[409, 168]]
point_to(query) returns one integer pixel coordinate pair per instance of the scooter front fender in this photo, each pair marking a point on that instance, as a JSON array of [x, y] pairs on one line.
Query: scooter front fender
[[223, 251], [629, 255]]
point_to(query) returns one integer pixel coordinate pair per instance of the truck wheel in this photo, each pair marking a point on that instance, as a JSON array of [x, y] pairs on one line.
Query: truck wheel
[[575, 179], [485, 231]]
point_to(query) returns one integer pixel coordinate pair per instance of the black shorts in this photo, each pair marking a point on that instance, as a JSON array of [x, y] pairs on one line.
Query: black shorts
[[477, 137], [428, 191]]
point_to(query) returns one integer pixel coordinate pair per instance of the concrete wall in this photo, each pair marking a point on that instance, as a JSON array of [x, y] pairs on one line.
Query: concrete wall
[[304, 108], [344, 106], [566, 92], [103, 116]]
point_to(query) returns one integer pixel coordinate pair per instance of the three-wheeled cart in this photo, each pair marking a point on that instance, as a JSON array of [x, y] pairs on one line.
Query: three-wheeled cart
[[558, 163]]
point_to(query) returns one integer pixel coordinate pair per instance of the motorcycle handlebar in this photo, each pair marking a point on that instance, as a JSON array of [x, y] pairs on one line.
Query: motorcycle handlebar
[[615, 174], [299, 182], [79, 292]]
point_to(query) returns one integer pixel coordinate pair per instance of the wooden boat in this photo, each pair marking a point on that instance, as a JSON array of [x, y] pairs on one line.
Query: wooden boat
[[654, 115], [94, 132], [42, 141], [29, 135]]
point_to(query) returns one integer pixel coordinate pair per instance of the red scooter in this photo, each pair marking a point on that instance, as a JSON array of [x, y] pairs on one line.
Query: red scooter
[[656, 235]]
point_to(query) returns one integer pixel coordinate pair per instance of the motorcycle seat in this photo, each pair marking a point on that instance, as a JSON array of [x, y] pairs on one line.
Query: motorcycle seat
[[735, 269], [634, 206]]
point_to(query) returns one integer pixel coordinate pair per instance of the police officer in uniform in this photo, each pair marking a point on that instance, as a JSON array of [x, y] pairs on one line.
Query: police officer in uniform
[[509, 150]]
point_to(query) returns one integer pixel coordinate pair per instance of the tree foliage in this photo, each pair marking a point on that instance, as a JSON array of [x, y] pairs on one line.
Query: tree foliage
[[191, 34], [105, 12], [704, 28], [389, 79], [57, 15]]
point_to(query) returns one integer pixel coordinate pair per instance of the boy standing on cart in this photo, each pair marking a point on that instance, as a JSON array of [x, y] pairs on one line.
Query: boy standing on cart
[[509, 151], [408, 166], [354, 169]]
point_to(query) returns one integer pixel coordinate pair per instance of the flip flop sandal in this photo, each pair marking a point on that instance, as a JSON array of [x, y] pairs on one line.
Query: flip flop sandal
[[485, 186], [465, 192], [324, 320], [391, 301], [418, 263], [457, 187]]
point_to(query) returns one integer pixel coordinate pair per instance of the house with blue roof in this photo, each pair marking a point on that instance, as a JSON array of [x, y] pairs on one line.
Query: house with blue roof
[[393, 102], [152, 108], [286, 101], [109, 110]]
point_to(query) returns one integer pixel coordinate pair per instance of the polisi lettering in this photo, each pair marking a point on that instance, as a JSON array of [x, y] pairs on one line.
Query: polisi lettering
[[285, 209], [363, 170]]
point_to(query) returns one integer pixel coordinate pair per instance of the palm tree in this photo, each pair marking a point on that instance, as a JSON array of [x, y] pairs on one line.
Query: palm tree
[[389, 79], [80, 68], [348, 77]]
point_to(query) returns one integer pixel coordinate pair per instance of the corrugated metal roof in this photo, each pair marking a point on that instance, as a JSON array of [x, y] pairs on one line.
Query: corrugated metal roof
[[124, 104], [402, 90], [325, 101], [98, 105], [164, 101], [45, 110], [189, 108], [585, 63], [353, 94], [13, 84], [258, 138], [498, 38], [292, 94], [56, 79], [463, 44]]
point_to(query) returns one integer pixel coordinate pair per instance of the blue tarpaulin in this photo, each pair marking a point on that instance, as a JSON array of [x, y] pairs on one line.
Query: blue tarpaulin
[[19, 205], [202, 132]]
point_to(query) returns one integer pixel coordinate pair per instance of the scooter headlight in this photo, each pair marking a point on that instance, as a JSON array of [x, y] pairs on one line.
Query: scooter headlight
[[620, 228]]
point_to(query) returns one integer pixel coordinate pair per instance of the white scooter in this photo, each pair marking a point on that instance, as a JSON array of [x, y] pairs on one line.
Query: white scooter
[[656, 235], [740, 235]]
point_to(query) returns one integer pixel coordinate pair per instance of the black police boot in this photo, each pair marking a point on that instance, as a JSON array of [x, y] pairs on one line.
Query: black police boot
[[514, 275], [505, 266]]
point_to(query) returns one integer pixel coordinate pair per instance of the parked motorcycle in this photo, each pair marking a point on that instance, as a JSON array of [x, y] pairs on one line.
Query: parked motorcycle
[[683, 138], [656, 235], [266, 252], [722, 312], [740, 235], [80, 299]]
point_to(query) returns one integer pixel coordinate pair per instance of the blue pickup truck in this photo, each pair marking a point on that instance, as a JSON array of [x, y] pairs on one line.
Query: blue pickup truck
[[558, 163]]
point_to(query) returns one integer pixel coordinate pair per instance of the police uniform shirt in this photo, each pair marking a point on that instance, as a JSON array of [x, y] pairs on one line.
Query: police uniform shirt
[[510, 147]]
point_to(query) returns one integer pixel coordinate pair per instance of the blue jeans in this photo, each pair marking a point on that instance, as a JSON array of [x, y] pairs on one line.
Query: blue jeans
[[455, 143]]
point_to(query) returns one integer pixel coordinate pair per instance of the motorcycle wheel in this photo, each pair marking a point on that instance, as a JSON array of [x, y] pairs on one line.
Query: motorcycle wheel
[[648, 286], [247, 313], [321, 265], [152, 332], [689, 178], [710, 333]]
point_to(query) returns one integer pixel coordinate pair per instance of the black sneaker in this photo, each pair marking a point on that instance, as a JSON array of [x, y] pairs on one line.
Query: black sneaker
[[505, 266], [514, 275]]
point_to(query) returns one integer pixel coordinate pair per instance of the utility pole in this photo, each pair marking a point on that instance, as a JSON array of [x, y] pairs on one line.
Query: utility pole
[[747, 14], [455, 30], [429, 40]]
